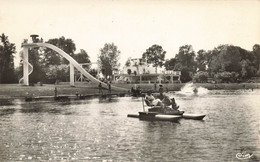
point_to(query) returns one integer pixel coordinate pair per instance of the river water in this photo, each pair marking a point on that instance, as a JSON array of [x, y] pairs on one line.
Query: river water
[[99, 130]]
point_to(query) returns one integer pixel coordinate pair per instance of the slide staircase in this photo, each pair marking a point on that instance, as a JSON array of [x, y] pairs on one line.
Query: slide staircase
[[30, 68]]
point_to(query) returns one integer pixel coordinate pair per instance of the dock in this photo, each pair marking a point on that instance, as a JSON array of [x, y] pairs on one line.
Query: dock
[[75, 97]]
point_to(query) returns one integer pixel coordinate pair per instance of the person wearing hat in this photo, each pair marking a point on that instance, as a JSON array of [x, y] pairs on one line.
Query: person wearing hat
[[161, 96]]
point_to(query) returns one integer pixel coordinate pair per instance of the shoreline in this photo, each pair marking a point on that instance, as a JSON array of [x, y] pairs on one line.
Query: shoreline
[[13, 91]]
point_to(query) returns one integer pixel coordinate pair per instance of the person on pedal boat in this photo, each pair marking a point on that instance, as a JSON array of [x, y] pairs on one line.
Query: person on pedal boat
[[174, 105], [166, 100], [152, 100]]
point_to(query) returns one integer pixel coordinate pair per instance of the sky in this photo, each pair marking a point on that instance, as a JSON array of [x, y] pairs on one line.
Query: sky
[[134, 25]]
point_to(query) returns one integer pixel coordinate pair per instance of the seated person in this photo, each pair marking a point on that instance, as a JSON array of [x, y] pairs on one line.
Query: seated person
[[166, 100], [152, 101], [139, 90], [174, 105], [195, 90]]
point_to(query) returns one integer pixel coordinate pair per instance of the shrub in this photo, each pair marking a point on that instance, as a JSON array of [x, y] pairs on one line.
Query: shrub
[[201, 77], [226, 77]]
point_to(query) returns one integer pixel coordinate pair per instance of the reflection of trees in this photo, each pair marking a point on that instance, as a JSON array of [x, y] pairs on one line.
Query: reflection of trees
[[33, 108], [5, 102], [7, 111], [107, 99]]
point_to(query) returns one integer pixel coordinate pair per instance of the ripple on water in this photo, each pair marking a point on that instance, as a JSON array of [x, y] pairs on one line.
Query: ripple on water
[[98, 129]]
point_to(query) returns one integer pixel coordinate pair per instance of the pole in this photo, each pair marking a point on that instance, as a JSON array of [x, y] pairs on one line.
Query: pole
[[143, 103], [72, 83], [25, 67]]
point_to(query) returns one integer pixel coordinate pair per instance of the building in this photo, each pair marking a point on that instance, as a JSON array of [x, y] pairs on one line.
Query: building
[[139, 71]]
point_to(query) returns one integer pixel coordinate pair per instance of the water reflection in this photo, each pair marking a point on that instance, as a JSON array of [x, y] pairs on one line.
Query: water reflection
[[5, 102], [108, 99], [7, 111]]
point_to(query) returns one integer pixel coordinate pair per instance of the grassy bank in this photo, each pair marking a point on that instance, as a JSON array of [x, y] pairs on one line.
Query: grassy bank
[[18, 91]]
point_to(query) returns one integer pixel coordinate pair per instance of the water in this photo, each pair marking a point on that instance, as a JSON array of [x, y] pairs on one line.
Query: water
[[99, 130]]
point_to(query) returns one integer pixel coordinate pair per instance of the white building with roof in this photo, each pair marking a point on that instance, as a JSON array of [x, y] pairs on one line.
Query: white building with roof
[[139, 71]]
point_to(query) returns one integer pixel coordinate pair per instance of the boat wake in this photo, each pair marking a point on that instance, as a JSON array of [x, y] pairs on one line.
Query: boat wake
[[190, 89]]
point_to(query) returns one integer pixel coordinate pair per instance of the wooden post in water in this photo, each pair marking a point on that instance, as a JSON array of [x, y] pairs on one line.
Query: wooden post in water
[[143, 103]]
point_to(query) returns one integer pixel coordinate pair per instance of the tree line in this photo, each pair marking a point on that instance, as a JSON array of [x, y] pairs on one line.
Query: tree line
[[225, 63]]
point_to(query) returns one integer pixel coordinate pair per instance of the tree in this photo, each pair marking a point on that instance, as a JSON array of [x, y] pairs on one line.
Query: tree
[[52, 58], [93, 72], [186, 57], [170, 64], [225, 58], [108, 59], [201, 60], [256, 53], [247, 70], [248, 63], [214, 61], [155, 55], [38, 74], [185, 62], [57, 73], [7, 50], [230, 59], [82, 57], [128, 62]]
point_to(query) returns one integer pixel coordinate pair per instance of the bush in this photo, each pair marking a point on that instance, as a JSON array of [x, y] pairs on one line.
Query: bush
[[201, 77], [258, 73], [57, 72], [226, 77]]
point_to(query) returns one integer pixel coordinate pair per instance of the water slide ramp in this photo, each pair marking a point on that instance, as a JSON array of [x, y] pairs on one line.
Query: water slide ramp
[[73, 62]]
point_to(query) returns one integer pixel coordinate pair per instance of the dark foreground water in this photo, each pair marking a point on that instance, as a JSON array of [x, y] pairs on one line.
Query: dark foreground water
[[99, 130]]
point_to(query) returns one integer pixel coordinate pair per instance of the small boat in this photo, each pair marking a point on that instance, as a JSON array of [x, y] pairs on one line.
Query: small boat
[[136, 92], [27, 99], [156, 113]]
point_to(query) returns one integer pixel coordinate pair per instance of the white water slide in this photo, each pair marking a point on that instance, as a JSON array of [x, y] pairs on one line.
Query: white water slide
[[73, 64]]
